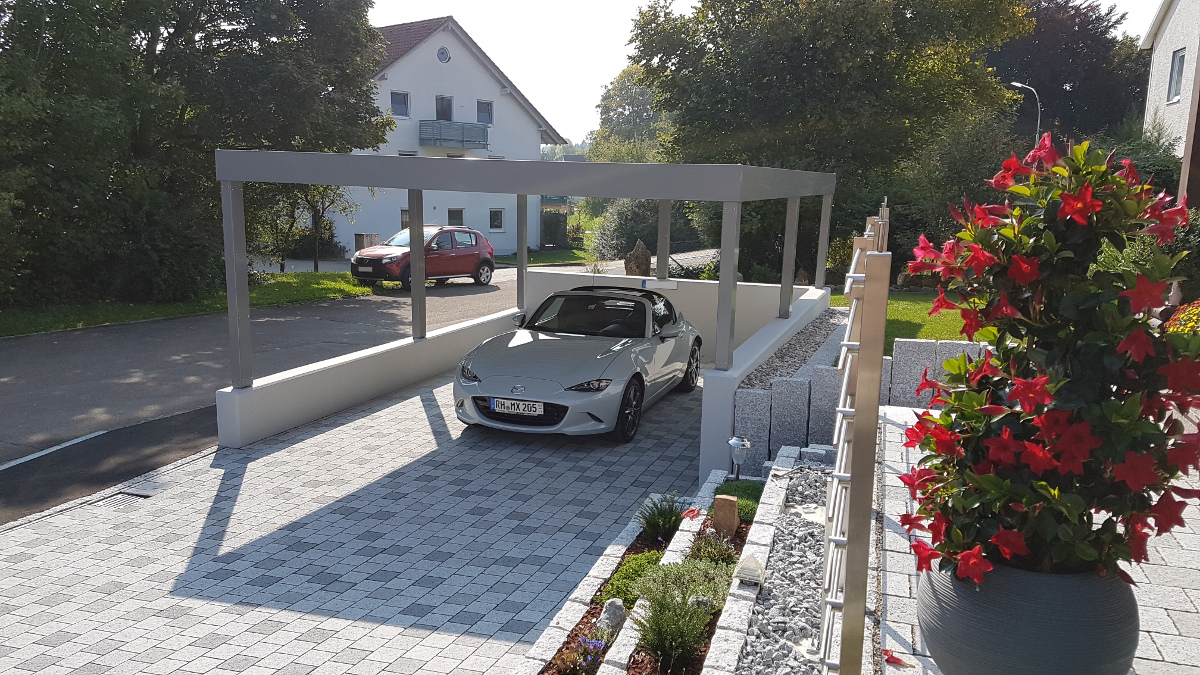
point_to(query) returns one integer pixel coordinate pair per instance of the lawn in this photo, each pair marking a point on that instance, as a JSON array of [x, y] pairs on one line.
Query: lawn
[[908, 317], [555, 257], [283, 289]]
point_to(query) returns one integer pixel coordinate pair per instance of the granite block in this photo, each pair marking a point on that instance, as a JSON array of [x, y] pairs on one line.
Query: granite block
[[885, 382], [825, 388], [789, 412], [910, 358], [752, 420]]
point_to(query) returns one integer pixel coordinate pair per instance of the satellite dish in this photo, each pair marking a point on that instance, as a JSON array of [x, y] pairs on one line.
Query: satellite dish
[[443, 55]]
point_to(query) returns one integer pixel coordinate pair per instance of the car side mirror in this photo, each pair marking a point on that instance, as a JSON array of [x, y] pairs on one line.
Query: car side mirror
[[670, 331], [519, 320]]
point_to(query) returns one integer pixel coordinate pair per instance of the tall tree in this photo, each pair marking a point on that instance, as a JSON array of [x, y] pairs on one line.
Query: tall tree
[[630, 125]]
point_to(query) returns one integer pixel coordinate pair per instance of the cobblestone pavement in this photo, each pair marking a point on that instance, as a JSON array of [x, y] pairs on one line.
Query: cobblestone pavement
[[1168, 587], [387, 538]]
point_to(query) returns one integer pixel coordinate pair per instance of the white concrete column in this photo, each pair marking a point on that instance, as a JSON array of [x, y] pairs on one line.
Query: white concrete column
[[731, 226], [790, 224], [823, 240], [522, 247], [416, 260], [237, 284], [664, 238]]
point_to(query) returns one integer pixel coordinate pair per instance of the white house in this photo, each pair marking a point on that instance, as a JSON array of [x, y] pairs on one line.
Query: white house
[[1174, 88], [450, 100]]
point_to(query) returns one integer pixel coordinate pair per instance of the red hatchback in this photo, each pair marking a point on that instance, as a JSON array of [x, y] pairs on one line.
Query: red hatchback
[[449, 252]]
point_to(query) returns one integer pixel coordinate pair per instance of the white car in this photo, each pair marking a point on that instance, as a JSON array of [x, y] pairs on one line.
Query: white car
[[587, 361]]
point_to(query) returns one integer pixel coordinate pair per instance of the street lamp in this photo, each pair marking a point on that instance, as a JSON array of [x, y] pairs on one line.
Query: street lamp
[[1038, 134]]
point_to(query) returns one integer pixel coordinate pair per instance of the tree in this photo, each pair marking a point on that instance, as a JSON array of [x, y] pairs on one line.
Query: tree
[[1088, 78], [319, 200], [275, 216], [629, 124]]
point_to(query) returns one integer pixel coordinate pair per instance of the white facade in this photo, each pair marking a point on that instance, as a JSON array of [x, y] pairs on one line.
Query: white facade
[[1175, 32], [515, 133]]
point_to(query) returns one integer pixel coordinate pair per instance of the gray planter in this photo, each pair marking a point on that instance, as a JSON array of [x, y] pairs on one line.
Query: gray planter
[[1025, 623]]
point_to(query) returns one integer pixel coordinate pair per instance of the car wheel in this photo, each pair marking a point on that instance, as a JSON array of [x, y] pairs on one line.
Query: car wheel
[[483, 273], [440, 282], [629, 416], [406, 279], [691, 375]]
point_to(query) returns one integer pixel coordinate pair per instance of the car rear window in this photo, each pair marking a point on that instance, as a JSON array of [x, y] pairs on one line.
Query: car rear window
[[464, 240], [590, 315]]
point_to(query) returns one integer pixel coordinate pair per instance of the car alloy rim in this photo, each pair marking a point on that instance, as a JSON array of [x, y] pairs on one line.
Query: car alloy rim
[[631, 409], [694, 366], [485, 274]]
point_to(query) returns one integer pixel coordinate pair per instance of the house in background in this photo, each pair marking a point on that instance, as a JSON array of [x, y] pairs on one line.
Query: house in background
[[1174, 89], [449, 100]]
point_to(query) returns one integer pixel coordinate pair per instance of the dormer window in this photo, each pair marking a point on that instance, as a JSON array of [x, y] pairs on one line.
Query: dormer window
[[399, 104], [483, 112]]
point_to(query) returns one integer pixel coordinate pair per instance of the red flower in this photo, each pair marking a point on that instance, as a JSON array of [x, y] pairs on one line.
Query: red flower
[[889, 656], [993, 409], [1137, 471], [925, 249], [912, 521], [940, 303], [1078, 206], [1145, 294], [918, 479], [945, 442], [1003, 450], [979, 260], [1182, 374], [1029, 393], [1186, 455], [1167, 220], [1011, 167], [983, 368], [1137, 528], [1044, 152], [1075, 447], [1168, 513], [1037, 458], [972, 564], [1129, 173], [937, 529], [972, 322], [1003, 308], [926, 554], [1017, 506], [1137, 345], [927, 383], [1010, 543], [1052, 424], [1023, 270]]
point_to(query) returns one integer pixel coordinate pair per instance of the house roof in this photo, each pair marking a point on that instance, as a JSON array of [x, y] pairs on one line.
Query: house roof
[[402, 38], [1160, 19]]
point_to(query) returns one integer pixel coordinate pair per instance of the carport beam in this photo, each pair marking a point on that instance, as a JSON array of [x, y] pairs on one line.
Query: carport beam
[[664, 239], [731, 226], [416, 260], [522, 247], [237, 281], [823, 241], [790, 224]]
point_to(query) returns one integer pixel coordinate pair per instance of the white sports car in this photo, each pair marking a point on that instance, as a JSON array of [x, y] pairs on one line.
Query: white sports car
[[587, 361]]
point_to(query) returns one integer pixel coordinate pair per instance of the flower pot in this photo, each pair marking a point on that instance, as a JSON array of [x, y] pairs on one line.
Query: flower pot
[[1018, 622]]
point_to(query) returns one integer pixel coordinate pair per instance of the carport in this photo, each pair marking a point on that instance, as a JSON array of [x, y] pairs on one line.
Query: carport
[[252, 409]]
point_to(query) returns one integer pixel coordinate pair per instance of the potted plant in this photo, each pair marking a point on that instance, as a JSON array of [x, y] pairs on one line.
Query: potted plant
[[1052, 458]]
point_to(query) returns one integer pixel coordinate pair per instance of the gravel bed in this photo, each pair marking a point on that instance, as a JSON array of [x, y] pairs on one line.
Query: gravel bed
[[796, 352], [787, 612]]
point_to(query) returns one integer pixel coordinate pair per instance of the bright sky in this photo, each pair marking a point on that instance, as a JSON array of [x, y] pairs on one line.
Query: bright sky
[[561, 54]]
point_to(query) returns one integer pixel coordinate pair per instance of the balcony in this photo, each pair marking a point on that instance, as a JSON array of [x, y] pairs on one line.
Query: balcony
[[443, 134]]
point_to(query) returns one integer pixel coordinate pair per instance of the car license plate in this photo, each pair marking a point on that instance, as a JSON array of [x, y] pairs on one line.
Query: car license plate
[[504, 405], [365, 268]]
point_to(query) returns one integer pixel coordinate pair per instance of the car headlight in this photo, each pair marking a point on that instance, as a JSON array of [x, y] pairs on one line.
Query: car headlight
[[465, 373], [591, 385], [390, 259]]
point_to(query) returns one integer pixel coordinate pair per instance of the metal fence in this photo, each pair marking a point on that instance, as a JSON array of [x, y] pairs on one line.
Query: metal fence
[[852, 486]]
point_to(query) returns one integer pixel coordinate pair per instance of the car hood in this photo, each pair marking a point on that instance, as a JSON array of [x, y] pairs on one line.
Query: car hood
[[381, 251], [566, 359]]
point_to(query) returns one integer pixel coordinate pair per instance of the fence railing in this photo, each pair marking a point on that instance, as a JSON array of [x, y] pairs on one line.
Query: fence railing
[[852, 486]]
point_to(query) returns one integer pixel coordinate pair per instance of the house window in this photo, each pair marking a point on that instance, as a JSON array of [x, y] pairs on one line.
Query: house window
[[483, 112], [1175, 82], [454, 217], [444, 107], [496, 219], [399, 104], [403, 219]]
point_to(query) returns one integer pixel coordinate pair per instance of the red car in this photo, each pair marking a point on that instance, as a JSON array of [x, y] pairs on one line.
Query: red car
[[449, 252]]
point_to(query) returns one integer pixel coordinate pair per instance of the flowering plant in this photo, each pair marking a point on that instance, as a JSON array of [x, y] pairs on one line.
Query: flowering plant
[[1055, 450]]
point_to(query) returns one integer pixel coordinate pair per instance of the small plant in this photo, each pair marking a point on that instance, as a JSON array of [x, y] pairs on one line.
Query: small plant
[[710, 546], [682, 599], [661, 516], [748, 493], [622, 582], [1186, 319], [581, 658]]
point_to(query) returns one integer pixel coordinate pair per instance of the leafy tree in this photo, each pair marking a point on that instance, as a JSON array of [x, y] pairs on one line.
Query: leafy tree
[[319, 200], [554, 153], [629, 124], [1089, 78], [628, 220]]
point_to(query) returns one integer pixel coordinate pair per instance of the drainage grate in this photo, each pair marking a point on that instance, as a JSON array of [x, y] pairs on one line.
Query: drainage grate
[[121, 500]]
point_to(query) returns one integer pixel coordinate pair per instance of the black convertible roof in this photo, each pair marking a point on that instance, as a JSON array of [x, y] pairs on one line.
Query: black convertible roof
[[643, 292]]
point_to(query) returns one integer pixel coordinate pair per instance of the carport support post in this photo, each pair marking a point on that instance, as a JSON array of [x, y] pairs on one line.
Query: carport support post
[[823, 241], [416, 260], [237, 283], [731, 230], [522, 247], [664, 239], [787, 278]]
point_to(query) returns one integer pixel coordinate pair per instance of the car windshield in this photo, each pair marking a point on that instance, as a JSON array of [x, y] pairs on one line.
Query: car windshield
[[401, 237], [590, 315]]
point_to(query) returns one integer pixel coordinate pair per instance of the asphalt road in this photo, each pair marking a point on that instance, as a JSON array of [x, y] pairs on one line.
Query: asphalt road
[[59, 386]]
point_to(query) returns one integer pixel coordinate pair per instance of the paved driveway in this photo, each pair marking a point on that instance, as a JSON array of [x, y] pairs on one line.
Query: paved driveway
[[387, 538], [58, 386]]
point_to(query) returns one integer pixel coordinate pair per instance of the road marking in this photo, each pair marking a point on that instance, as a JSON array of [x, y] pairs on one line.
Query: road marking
[[47, 451]]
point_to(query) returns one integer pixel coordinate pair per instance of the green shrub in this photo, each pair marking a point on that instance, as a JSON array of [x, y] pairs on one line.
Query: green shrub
[[748, 493], [622, 582], [660, 517], [710, 546], [676, 625]]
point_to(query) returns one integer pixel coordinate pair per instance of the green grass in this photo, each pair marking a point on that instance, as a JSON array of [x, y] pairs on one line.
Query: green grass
[[554, 257], [284, 288], [622, 581], [908, 317], [748, 493]]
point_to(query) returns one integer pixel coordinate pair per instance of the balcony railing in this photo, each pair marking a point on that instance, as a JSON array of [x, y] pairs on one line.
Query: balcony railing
[[442, 134]]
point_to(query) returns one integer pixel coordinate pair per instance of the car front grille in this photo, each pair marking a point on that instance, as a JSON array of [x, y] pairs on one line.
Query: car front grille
[[552, 414]]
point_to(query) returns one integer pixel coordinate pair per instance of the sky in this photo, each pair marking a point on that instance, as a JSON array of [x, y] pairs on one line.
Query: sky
[[560, 54]]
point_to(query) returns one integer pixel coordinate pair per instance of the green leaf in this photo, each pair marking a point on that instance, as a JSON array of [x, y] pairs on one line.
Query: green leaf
[[1085, 551]]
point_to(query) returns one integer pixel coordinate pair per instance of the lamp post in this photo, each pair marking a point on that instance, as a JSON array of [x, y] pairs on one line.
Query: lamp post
[[1037, 134], [740, 447]]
